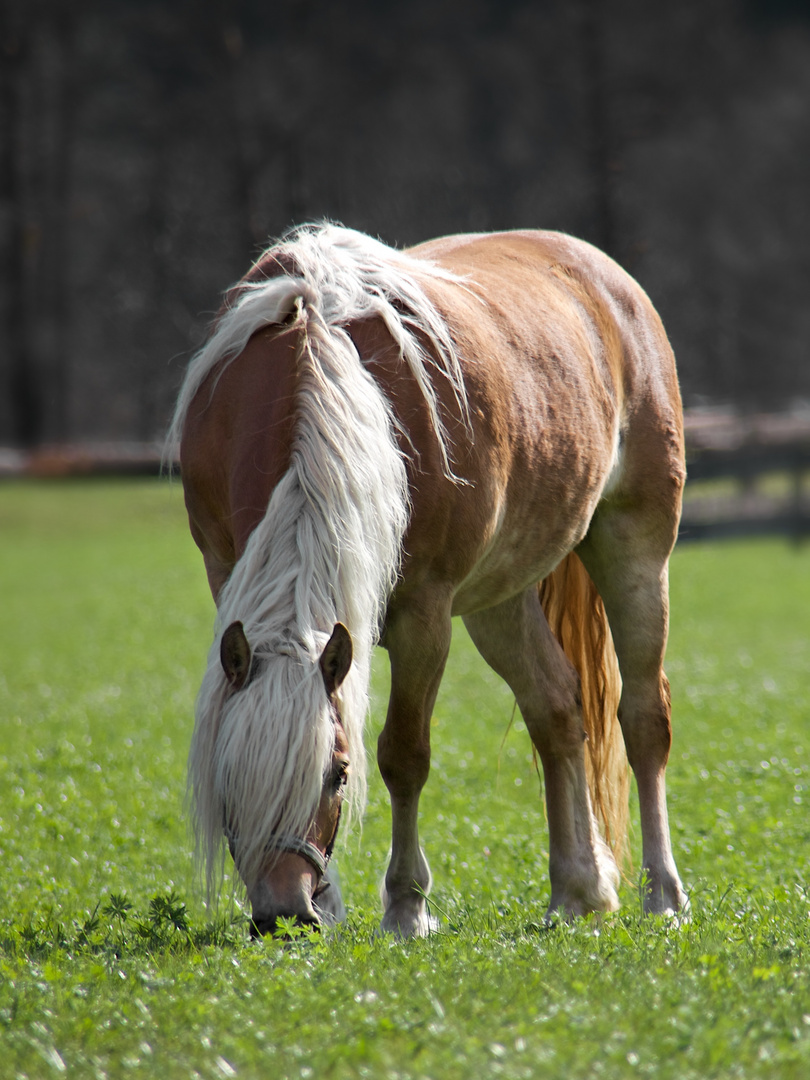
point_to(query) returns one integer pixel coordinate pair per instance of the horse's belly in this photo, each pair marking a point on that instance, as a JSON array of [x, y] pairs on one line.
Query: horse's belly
[[521, 553]]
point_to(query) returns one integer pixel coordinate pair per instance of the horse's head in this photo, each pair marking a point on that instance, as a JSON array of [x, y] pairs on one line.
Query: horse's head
[[291, 881]]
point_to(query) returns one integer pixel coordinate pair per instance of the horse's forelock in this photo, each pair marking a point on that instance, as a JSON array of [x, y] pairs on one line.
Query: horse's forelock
[[273, 746]]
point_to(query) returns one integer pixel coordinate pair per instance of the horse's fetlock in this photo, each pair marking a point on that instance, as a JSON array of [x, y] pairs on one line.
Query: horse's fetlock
[[579, 887]]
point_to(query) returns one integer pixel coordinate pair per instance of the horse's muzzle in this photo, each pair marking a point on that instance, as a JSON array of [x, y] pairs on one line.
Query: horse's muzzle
[[262, 925]]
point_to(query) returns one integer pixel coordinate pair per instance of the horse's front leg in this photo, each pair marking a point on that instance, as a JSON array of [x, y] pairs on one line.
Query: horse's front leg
[[418, 643]]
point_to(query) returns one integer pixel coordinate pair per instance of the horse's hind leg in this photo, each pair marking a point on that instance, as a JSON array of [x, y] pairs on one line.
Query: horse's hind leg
[[515, 640], [626, 553]]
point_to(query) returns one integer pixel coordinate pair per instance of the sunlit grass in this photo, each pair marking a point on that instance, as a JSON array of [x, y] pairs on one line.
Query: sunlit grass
[[111, 965]]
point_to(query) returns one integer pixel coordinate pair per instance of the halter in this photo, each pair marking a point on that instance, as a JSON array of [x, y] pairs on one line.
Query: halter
[[308, 851], [297, 845]]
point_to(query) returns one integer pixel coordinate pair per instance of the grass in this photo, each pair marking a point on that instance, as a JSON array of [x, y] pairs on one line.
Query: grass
[[110, 965]]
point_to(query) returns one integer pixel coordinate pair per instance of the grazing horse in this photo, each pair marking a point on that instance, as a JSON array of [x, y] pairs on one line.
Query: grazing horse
[[373, 441]]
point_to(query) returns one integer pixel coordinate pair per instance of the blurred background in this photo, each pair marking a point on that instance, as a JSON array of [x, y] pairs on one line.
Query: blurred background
[[150, 149]]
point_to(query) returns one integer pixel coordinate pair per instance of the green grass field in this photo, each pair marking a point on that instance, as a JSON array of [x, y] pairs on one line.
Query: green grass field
[[110, 964]]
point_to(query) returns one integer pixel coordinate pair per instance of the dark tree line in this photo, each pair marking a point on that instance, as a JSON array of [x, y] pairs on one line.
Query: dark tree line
[[149, 149]]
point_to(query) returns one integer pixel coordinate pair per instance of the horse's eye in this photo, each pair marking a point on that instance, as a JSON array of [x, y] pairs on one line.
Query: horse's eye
[[340, 775]]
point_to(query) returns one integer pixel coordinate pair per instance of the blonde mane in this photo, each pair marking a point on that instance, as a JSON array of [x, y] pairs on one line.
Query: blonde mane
[[329, 546]]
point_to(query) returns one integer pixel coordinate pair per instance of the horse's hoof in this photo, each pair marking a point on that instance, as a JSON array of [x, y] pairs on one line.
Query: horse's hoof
[[666, 898], [404, 927]]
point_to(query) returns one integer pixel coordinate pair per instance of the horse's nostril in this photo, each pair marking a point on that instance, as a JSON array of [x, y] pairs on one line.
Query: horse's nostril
[[260, 927]]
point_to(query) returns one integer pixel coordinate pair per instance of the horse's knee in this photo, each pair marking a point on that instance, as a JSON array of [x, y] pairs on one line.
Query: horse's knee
[[404, 764]]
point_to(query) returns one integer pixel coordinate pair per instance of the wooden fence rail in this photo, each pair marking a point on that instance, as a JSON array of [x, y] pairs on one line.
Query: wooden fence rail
[[745, 477], [751, 489]]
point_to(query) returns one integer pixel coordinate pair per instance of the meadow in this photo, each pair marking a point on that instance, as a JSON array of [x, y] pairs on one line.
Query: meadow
[[111, 965]]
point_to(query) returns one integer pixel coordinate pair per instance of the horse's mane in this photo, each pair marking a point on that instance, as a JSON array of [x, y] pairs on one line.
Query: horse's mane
[[329, 545], [344, 275]]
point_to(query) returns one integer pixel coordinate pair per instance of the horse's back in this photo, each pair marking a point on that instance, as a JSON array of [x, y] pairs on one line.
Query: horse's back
[[530, 278]]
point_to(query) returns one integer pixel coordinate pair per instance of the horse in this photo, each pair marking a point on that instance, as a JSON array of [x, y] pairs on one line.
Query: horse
[[373, 441]]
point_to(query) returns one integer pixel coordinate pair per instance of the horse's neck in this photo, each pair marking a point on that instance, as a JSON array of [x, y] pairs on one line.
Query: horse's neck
[[317, 487], [236, 447]]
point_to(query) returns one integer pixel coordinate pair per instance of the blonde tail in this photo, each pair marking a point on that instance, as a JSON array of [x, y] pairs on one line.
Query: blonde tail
[[577, 618]]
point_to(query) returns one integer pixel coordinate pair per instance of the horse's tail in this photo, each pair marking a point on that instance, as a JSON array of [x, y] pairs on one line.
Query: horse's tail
[[577, 618]]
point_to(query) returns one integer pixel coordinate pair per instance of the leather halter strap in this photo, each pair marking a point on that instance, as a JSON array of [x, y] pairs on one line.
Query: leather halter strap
[[294, 844]]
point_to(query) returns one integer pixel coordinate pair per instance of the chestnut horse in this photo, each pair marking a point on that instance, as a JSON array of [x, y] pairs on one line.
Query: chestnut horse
[[374, 441]]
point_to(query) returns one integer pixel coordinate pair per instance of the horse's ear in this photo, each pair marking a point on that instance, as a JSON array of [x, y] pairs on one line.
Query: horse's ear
[[336, 658], [234, 652]]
